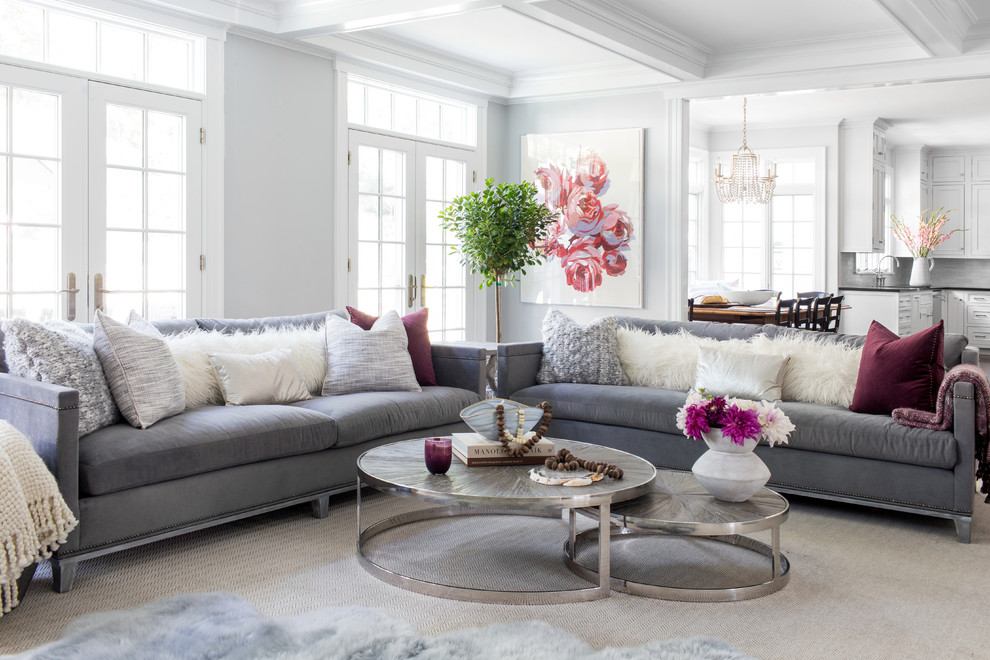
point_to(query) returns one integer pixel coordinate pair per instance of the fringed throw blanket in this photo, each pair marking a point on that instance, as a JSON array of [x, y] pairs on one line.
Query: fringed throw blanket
[[941, 419], [34, 519]]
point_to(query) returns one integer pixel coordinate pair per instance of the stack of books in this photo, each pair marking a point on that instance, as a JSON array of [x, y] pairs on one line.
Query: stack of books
[[474, 450]]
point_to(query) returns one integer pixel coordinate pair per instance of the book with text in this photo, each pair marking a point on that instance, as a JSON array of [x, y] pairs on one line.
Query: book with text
[[474, 445], [503, 459]]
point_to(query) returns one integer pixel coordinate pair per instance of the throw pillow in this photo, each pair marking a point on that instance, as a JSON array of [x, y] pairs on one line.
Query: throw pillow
[[418, 336], [61, 353], [375, 360], [806, 376], [574, 353], [271, 377], [142, 325], [192, 349], [899, 372], [143, 376], [746, 376], [655, 359]]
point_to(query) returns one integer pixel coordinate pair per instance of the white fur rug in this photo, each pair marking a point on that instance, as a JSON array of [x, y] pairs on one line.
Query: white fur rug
[[222, 626]]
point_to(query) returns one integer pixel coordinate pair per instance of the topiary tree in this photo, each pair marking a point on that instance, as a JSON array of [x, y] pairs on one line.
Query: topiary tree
[[497, 228]]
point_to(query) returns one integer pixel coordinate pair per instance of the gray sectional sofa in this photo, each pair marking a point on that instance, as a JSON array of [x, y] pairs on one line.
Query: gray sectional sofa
[[215, 464], [834, 453]]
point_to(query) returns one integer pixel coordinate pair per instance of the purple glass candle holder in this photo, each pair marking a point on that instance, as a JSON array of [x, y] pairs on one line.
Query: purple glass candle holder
[[437, 453]]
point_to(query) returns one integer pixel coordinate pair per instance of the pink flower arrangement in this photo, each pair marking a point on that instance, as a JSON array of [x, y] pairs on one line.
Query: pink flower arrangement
[[739, 419], [929, 235], [589, 237]]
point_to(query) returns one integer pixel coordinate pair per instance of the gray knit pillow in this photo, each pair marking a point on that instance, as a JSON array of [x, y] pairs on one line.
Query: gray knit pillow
[[61, 353], [143, 375], [574, 353], [375, 360]]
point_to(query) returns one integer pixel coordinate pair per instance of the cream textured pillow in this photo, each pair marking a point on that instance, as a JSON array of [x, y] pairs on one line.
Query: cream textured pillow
[[270, 377], [192, 349], [373, 360], [142, 374], [659, 360], [753, 376], [819, 370]]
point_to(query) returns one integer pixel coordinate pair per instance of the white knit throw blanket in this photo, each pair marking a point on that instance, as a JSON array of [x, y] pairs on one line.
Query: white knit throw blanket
[[34, 519]]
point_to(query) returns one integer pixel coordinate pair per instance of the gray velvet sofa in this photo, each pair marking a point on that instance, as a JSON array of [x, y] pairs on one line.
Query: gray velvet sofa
[[834, 453], [215, 464]]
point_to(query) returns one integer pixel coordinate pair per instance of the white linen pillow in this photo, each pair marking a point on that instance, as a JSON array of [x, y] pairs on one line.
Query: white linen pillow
[[270, 377], [819, 370], [755, 376], [374, 360], [142, 374], [191, 351]]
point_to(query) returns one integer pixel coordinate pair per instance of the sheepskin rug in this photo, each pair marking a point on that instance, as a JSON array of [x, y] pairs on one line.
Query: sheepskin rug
[[820, 369], [191, 351], [222, 626]]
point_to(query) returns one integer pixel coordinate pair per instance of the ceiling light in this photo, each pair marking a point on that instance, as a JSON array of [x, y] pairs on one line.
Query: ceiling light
[[744, 184]]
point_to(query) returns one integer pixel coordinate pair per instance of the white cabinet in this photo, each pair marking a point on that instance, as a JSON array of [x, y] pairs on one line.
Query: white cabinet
[[978, 318], [952, 198], [954, 310], [903, 312], [911, 189], [961, 184], [980, 167], [978, 240], [863, 158], [948, 168]]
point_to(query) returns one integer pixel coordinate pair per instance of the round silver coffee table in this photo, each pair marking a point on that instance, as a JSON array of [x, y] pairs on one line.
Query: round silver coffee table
[[683, 544], [398, 469]]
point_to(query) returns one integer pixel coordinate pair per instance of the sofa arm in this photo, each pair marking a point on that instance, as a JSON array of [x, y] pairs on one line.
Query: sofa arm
[[964, 430], [518, 365], [970, 355], [49, 416], [461, 365]]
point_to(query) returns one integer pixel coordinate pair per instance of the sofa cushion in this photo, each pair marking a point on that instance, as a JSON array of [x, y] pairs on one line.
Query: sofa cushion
[[373, 360], [363, 416], [314, 320], [418, 334], [700, 328], [200, 440], [822, 428], [574, 353]]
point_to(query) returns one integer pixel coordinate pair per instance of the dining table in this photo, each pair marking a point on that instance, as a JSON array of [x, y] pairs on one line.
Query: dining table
[[754, 314]]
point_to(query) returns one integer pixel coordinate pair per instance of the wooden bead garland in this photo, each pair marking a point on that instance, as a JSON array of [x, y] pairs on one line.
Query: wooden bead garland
[[516, 445], [565, 461]]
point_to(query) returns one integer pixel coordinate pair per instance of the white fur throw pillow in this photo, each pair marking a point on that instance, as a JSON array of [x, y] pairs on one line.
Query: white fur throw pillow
[[819, 370], [191, 351], [659, 360]]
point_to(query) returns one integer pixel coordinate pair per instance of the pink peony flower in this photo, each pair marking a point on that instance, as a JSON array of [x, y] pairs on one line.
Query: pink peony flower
[[552, 185], [552, 244], [614, 262], [584, 212], [592, 173], [583, 265], [617, 228]]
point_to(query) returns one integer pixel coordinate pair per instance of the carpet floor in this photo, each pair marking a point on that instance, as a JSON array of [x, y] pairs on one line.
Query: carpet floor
[[864, 583]]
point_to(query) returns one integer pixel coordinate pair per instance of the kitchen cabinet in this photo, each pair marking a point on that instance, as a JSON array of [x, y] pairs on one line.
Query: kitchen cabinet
[[979, 220], [954, 310], [948, 168], [978, 318], [863, 180], [960, 182], [981, 167], [912, 193], [902, 312], [951, 197]]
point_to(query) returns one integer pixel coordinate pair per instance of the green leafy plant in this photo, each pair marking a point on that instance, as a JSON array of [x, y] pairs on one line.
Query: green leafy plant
[[496, 229]]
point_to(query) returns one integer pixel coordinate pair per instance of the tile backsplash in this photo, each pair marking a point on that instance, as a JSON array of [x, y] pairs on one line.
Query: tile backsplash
[[948, 273]]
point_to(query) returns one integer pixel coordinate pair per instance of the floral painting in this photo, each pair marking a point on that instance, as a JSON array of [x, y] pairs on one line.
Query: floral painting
[[593, 252]]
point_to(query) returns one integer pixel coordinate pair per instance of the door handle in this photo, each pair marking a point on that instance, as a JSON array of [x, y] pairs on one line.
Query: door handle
[[422, 290], [412, 291], [100, 291], [70, 301]]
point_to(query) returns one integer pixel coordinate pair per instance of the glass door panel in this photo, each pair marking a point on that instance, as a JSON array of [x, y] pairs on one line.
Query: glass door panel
[[444, 286], [145, 202], [41, 216]]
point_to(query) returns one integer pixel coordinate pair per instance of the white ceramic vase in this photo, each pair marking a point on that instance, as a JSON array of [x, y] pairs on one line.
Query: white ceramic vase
[[730, 472], [921, 271]]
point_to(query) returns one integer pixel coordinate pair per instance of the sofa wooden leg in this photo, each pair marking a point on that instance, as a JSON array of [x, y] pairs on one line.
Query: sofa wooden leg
[[962, 528], [63, 574], [321, 506]]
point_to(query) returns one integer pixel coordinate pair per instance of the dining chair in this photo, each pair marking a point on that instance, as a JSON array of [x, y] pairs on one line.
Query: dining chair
[[690, 309], [784, 315], [830, 321], [803, 314], [813, 294]]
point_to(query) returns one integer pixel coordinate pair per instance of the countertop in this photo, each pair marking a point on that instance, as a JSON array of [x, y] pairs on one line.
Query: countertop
[[913, 288]]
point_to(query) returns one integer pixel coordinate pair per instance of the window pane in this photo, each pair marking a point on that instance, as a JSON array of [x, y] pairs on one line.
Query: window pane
[[393, 265], [119, 305], [35, 118], [367, 218], [166, 201], [453, 124], [393, 219], [804, 234], [168, 61], [37, 306], [393, 300], [434, 232], [783, 208], [367, 265], [71, 41], [393, 173], [434, 178], [22, 30], [455, 179], [428, 124], [368, 170], [782, 234], [379, 108], [165, 306], [165, 136], [125, 136], [453, 311], [121, 52], [125, 199], [368, 302], [125, 260], [804, 209], [35, 191], [35, 253], [166, 261], [3, 119], [355, 105], [435, 258], [455, 271], [404, 120]]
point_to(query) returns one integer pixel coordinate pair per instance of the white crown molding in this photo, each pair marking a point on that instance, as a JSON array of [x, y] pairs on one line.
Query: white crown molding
[[291, 44], [929, 23], [578, 79]]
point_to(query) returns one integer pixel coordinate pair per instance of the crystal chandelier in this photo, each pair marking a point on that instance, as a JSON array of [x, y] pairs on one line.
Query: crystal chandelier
[[745, 184]]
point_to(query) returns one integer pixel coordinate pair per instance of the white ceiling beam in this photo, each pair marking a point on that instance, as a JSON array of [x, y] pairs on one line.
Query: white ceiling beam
[[610, 25], [326, 18], [928, 23]]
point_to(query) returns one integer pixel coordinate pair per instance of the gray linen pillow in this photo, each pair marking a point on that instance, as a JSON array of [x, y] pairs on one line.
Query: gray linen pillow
[[271, 377], [61, 353], [574, 353], [143, 376], [375, 360]]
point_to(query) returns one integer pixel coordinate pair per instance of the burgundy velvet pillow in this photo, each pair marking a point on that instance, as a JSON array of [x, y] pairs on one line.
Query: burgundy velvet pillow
[[419, 340], [897, 372]]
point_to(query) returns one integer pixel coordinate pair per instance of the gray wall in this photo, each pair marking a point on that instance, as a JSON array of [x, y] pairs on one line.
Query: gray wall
[[278, 217], [522, 321]]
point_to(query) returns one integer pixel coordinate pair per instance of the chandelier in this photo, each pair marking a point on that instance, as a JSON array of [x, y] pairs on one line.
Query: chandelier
[[745, 184]]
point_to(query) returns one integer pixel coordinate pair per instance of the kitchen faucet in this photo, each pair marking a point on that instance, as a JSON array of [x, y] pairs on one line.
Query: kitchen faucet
[[878, 273]]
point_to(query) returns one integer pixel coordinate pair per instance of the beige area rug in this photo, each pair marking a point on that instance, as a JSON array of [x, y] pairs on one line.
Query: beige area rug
[[864, 583]]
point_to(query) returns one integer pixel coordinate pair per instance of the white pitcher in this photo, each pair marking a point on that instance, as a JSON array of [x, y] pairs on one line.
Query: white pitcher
[[921, 271]]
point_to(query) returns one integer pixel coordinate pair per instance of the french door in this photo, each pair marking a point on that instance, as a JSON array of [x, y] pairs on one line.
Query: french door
[[100, 192], [401, 257]]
